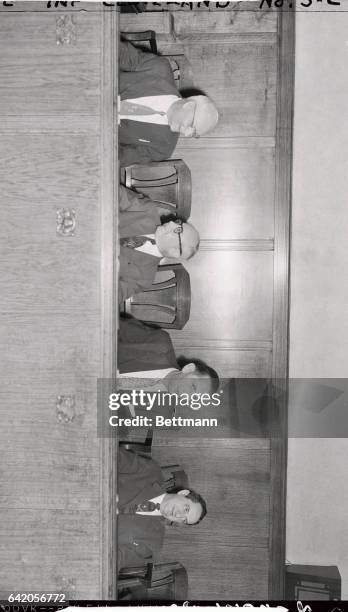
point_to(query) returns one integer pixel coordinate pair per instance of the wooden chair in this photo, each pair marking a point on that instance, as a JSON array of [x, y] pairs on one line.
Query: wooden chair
[[162, 581], [181, 67], [174, 476], [148, 36], [167, 183], [168, 301]]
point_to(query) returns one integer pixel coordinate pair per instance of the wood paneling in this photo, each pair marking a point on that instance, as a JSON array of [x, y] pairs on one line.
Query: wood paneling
[[57, 301], [285, 100], [59, 351], [109, 282], [224, 22], [160, 22], [50, 465], [54, 169], [232, 362], [45, 78], [50, 551], [232, 192], [232, 540], [240, 78], [230, 299], [39, 175]]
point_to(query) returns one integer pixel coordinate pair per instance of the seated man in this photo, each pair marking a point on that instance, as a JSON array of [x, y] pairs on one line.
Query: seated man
[[153, 113], [144, 241], [144, 504], [146, 352]]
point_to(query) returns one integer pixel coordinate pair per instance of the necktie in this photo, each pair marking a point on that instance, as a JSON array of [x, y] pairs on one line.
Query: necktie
[[131, 108], [133, 242], [146, 506]]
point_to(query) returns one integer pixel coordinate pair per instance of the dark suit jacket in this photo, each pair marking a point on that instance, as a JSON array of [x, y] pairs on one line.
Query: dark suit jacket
[[144, 74], [139, 537], [138, 216], [142, 348]]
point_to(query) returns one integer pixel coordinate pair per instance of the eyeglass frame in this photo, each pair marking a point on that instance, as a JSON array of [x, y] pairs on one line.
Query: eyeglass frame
[[179, 230]]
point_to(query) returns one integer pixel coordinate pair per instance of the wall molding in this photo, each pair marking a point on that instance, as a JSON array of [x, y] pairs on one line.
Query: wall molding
[[108, 295], [220, 38], [196, 342], [236, 245], [230, 142], [283, 181]]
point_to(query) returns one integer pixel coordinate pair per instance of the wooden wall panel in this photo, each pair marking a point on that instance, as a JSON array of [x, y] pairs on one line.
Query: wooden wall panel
[[56, 307], [59, 352], [224, 22], [232, 540], [232, 191], [230, 296], [48, 79], [61, 169], [221, 572], [50, 551], [58, 172], [46, 452], [239, 75], [229, 362], [241, 80], [160, 22]]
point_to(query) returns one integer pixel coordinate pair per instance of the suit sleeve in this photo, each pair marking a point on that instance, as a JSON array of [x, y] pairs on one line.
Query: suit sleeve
[[130, 462], [133, 331], [129, 556], [132, 59], [140, 154], [129, 287], [130, 201]]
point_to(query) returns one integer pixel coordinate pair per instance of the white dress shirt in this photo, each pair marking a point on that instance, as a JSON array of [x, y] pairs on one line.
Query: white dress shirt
[[161, 104]]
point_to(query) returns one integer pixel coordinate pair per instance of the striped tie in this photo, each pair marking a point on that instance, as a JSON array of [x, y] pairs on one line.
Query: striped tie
[[131, 108]]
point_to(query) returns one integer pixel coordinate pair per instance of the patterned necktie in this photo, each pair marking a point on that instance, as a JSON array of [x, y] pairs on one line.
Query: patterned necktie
[[133, 242], [131, 108], [146, 506]]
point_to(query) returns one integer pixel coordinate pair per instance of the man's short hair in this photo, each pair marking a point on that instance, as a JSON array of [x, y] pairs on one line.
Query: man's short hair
[[206, 114], [193, 496], [202, 368]]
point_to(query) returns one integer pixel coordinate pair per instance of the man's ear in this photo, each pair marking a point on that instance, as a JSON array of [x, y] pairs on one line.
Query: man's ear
[[189, 368], [183, 492]]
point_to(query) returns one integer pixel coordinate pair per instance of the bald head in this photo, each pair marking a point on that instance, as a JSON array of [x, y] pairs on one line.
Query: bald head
[[193, 116], [177, 239]]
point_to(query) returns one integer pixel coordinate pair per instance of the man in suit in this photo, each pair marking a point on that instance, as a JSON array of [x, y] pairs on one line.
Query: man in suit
[[145, 241], [147, 352], [143, 506], [152, 112]]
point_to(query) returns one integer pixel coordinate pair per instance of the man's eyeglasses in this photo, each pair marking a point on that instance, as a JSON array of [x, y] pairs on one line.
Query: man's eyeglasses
[[179, 230]]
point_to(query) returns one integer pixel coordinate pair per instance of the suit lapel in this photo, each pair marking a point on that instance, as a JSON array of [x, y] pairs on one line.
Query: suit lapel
[[138, 223]]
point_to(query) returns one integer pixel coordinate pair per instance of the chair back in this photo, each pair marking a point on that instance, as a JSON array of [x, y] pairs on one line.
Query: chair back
[[167, 183], [167, 302], [148, 36], [182, 71], [175, 477], [162, 581], [181, 67]]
